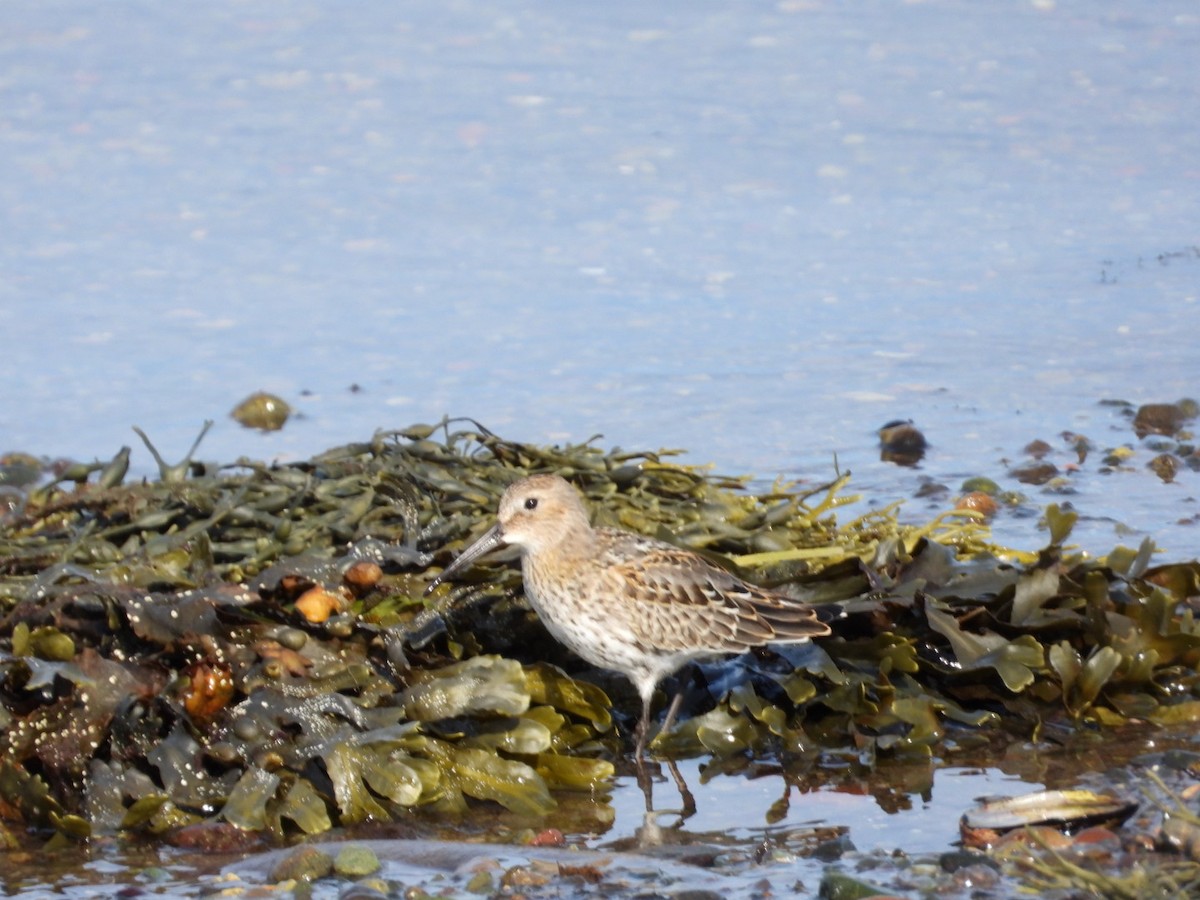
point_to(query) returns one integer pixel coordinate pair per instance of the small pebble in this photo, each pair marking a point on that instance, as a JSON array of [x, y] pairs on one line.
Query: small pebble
[[1164, 466], [1038, 449], [304, 864], [355, 860], [362, 576], [263, 411], [979, 502], [317, 604]]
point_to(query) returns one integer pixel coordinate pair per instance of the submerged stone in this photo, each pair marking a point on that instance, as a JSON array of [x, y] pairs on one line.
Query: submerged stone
[[356, 861], [303, 864]]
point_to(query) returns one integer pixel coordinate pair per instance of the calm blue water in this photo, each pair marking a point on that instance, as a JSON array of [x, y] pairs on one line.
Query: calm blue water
[[755, 231]]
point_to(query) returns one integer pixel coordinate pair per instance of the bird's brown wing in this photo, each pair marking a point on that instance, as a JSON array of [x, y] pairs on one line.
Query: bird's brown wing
[[684, 601]]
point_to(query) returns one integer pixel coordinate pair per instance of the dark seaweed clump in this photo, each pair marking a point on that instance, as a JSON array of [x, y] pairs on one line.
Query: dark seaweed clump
[[250, 646]]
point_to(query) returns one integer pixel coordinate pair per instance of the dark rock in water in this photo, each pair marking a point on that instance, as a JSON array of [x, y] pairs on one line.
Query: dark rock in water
[[1038, 449], [1164, 466], [830, 851], [1158, 418], [960, 859], [900, 442], [931, 488], [1035, 473]]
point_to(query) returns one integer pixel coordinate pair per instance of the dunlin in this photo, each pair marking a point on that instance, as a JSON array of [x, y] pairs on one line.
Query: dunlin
[[626, 602]]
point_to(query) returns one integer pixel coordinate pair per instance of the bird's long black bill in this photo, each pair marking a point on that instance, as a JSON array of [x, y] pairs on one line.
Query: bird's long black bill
[[491, 539]]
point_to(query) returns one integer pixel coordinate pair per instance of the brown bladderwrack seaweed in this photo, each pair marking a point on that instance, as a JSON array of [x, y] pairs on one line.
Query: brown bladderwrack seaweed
[[162, 671]]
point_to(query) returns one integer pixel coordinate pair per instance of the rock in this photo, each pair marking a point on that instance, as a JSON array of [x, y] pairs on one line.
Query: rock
[[263, 411]]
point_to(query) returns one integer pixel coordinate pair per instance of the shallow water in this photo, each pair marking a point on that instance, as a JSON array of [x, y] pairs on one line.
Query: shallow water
[[770, 806], [757, 234], [921, 825], [754, 233], [754, 823]]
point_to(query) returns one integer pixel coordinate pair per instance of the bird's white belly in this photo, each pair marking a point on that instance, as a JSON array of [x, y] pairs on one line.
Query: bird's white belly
[[604, 640]]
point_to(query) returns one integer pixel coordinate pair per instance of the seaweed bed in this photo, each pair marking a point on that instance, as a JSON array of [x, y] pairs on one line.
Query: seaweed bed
[[247, 649]]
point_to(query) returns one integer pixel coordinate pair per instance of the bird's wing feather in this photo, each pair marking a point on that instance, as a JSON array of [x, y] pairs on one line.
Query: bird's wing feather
[[689, 601]]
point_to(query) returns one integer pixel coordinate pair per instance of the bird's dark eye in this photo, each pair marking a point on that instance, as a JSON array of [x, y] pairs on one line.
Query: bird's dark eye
[[531, 502]]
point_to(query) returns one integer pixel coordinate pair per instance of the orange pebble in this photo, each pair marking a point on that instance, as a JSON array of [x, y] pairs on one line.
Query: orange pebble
[[318, 604], [362, 576], [979, 502]]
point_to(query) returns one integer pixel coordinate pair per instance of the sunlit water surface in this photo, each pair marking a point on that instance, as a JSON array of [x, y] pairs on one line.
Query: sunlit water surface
[[756, 232]]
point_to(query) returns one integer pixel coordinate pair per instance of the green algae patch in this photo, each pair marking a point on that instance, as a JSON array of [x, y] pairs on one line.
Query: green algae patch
[[251, 647]]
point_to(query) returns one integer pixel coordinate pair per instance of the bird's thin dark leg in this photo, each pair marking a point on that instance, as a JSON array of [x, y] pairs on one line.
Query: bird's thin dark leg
[[689, 802], [639, 755], [643, 729], [646, 784], [643, 775], [672, 711]]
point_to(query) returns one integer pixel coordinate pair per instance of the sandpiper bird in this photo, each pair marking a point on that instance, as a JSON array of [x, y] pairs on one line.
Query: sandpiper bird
[[626, 602]]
